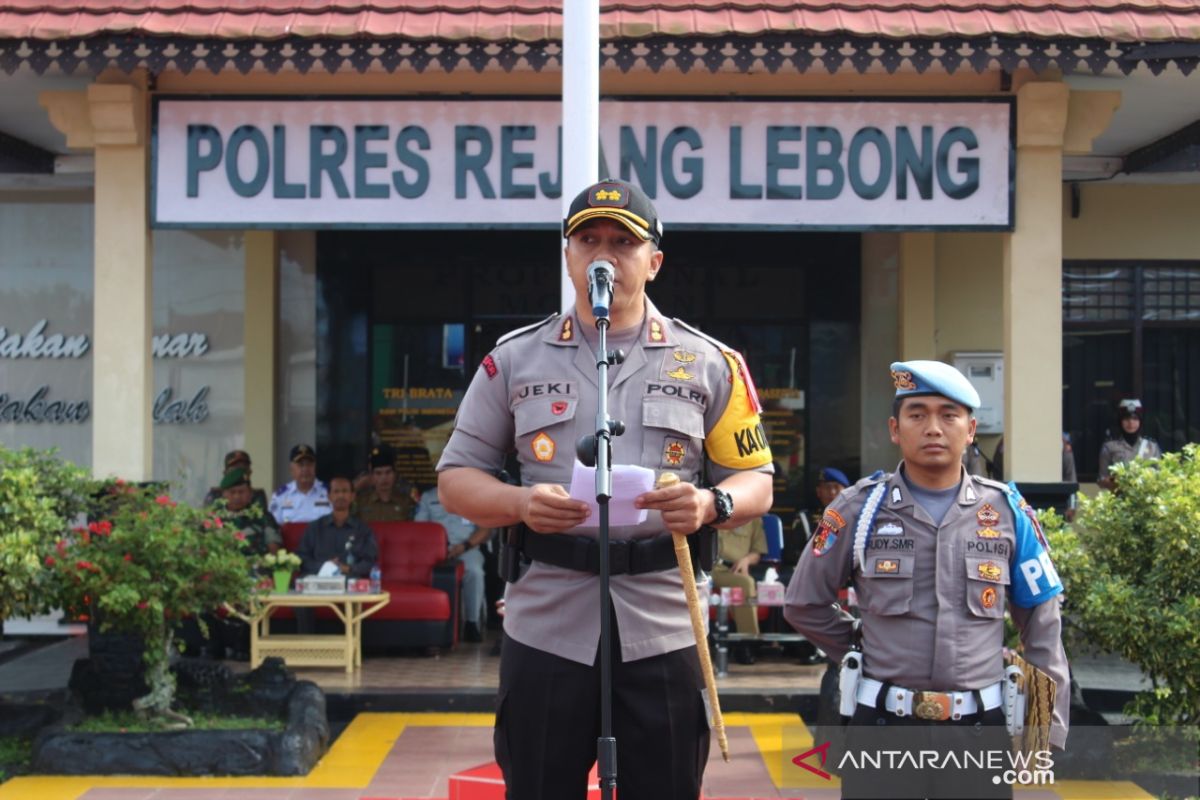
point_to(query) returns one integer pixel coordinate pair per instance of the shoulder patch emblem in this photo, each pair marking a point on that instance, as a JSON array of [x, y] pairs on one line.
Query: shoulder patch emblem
[[988, 516], [823, 541], [489, 366], [543, 447], [833, 519]]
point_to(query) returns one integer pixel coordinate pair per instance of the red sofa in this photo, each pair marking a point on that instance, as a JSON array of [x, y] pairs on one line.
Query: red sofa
[[423, 611]]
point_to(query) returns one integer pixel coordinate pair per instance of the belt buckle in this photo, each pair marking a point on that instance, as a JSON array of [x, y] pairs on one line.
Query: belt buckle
[[931, 706], [619, 557]]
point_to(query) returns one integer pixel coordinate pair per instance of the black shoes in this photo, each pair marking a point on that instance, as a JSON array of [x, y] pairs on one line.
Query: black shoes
[[471, 633], [744, 654]]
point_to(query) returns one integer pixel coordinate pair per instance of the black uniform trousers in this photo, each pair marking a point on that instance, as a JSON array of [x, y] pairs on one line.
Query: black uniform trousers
[[875, 732], [548, 720]]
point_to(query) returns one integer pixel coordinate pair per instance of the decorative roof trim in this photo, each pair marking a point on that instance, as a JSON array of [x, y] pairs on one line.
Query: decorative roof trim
[[833, 53]]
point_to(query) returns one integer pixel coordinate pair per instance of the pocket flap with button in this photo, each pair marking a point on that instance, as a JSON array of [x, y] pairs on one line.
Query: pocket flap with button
[[889, 586], [676, 415], [533, 415], [989, 570]]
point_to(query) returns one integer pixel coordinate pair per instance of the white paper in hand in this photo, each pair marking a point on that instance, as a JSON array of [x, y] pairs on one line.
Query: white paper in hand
[[628, 481], [329, 570]]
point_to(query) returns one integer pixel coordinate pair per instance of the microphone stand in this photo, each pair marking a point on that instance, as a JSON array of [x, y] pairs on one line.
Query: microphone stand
[[597, 450]]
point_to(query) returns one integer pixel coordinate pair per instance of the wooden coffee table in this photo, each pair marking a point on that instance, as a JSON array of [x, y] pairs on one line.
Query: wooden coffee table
[[313, 650]]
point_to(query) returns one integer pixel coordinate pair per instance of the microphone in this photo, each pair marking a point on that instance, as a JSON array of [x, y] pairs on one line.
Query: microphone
[[600, 291]]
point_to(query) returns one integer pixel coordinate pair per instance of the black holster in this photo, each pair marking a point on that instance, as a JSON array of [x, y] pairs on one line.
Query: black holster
[[704, 545], [511, 559]]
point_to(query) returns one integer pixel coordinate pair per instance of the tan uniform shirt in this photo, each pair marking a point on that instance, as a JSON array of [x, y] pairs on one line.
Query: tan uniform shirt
[[1119, 451], [932, 597], [681, 396], [369, 507], [739, 542]]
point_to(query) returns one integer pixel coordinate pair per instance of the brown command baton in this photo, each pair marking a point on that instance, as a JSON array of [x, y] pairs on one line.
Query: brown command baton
[[684, 556]]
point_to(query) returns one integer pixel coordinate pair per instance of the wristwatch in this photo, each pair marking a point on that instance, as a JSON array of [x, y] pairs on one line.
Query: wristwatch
[[723, 503]]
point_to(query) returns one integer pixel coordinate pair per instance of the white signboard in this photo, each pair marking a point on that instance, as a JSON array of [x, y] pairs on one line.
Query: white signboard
[[823, 164]]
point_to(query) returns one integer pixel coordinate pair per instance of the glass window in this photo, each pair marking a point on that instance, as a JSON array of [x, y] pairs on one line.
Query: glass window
[[46, 261]]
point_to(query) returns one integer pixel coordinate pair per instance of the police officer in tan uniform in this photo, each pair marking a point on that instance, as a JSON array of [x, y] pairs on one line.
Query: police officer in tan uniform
[[1128, 446], [740, 549], [385, 499], [689, 408], [934, 554]]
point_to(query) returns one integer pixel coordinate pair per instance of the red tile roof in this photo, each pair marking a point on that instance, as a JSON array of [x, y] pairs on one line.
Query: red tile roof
[[538, 20]]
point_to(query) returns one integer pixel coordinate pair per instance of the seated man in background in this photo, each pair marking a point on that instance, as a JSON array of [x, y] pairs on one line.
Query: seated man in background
[[382, 500], [336, 544], [464, 539], [740, 549], [236, 459]]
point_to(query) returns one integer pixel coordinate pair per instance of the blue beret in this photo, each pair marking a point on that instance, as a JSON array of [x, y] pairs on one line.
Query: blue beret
[[933, 377], [835, 475]]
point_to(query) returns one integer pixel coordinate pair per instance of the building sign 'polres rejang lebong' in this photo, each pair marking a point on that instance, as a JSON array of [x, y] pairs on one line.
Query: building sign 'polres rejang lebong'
[[857, 164]]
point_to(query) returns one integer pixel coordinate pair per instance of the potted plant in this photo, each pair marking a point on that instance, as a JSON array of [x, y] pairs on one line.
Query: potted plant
[[144, 563], [281, 564]]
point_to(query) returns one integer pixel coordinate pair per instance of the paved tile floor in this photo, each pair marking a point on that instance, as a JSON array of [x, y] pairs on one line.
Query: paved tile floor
[[409, 756]]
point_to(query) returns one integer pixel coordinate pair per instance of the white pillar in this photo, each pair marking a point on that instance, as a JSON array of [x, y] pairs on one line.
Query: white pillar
[[1033, 291], [122, 371], [580, 108]]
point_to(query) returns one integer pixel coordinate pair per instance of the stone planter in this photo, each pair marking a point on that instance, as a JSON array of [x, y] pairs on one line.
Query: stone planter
[[269, 690]]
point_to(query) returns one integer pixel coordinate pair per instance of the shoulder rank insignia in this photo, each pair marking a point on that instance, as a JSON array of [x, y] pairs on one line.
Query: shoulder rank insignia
[[654, 331], [568, 331]]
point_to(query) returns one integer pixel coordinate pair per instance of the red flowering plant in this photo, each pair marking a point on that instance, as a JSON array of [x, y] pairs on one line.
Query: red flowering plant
[[144, 563]]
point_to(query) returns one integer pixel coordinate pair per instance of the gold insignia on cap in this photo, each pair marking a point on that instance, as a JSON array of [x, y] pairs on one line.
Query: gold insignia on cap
[[680, 374], [903, 380], [568, 332], [684, 357], [609, 194]]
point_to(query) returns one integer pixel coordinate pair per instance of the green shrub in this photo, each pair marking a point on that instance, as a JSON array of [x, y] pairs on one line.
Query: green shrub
[[40, 496], [1130, 565]]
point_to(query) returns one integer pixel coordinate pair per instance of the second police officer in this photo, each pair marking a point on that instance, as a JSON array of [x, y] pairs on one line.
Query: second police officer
[[935, 555], [690, 409]]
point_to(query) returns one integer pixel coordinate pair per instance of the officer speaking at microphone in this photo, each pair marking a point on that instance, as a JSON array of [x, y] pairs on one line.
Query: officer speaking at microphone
[[689, 408], [935, 555]]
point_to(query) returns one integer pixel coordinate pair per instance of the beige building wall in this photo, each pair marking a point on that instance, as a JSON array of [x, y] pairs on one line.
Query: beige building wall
[[1124, 220]]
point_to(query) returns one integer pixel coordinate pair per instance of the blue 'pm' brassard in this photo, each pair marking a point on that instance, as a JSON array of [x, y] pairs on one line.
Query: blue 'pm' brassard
[[1034, 579]]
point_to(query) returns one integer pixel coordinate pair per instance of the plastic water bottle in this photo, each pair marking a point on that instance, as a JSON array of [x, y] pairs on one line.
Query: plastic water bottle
[[376, 580]]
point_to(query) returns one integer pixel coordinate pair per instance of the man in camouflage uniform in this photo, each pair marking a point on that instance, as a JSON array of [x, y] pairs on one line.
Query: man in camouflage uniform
[[682, 397], [934, 554]]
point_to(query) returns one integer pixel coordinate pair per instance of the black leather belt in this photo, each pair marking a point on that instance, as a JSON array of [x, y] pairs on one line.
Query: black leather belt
[[582, 553]]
